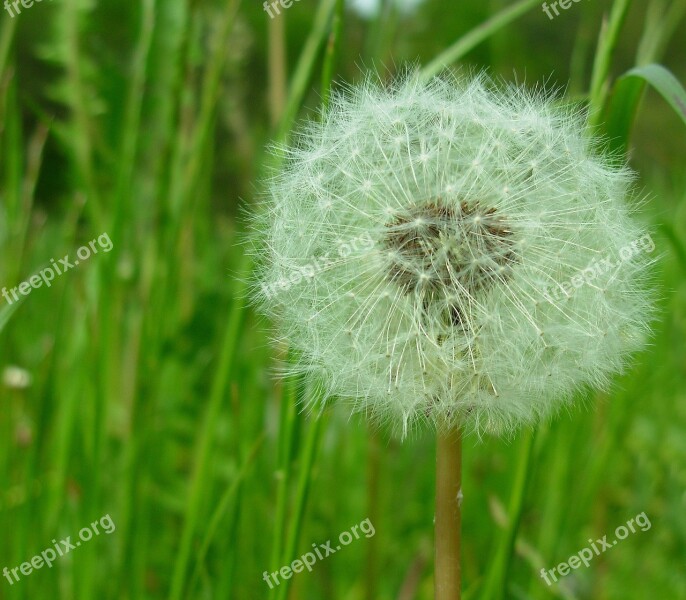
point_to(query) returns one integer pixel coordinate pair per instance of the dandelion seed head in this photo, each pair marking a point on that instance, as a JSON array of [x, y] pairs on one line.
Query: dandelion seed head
[[437, 215]]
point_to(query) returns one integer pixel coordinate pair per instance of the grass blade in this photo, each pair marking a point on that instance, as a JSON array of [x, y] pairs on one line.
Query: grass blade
[[477, 35], [627, 94]]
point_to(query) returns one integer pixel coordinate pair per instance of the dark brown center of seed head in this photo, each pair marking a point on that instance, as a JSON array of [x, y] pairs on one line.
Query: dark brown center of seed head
[[448, 250]]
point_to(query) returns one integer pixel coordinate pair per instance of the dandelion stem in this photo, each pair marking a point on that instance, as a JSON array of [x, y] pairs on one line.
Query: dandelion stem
[[447, 573]]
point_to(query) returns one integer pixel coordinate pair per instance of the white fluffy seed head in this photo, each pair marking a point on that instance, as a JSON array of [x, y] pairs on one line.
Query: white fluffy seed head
[[412, 240]]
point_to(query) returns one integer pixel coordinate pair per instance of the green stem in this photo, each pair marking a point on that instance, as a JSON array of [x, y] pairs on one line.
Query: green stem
[[302, 493], [496, 583], [609, 35], [286, 428], [305, 67]]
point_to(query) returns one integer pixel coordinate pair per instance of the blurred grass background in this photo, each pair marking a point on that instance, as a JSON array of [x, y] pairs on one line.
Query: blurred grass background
[[139, 385]]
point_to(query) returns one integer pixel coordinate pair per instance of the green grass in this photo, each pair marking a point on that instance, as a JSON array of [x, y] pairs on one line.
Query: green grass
[[152, 396]]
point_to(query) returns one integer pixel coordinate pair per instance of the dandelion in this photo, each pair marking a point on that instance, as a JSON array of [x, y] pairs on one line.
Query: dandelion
[[477, 198]]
